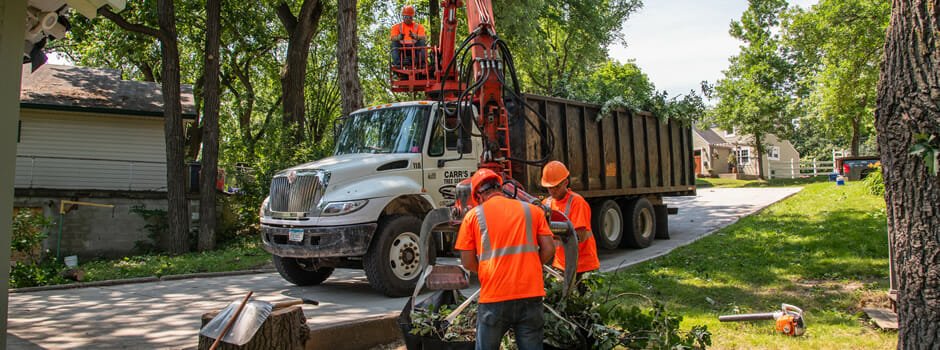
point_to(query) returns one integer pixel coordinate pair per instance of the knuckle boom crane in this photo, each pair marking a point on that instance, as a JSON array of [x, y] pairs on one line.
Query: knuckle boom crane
[[479, 75]]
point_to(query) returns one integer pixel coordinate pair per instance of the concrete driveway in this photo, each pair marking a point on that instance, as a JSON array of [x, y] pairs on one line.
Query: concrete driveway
[[166, 314]]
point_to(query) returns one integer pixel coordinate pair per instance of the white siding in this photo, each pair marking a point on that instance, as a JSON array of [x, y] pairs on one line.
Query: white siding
[[68, 150]]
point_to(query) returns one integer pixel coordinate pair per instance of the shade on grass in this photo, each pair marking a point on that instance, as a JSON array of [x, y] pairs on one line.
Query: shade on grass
[[824, 249]]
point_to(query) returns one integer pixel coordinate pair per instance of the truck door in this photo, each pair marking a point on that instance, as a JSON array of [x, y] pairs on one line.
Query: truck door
[[446, 164]]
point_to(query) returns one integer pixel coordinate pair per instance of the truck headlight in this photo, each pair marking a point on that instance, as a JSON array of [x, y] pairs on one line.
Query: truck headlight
[[340, 208], [264, 208]]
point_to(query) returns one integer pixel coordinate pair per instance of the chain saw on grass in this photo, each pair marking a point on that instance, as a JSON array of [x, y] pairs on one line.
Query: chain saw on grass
[[789, 320]]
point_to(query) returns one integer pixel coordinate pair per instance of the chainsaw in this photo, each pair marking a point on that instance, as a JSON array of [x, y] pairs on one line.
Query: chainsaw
[[789, 320]]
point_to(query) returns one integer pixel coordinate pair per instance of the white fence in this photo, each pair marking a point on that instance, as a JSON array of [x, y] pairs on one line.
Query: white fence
[[794, 169]]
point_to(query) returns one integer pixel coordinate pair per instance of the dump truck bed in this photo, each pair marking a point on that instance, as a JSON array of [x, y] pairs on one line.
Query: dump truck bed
[[621, 154]]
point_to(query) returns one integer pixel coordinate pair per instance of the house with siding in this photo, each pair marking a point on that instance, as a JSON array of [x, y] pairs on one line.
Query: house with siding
[[714, 149], [86, 135]]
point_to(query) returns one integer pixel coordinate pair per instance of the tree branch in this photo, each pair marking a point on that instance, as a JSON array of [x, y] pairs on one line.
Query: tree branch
[[132, 27], [287, 18]]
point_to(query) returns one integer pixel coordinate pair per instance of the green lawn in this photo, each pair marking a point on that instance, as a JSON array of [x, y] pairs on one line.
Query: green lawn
[[243, 254], [824, 249], [705, 182]]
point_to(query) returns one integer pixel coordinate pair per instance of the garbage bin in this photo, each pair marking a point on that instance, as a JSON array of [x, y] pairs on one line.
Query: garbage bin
[[833, 176]]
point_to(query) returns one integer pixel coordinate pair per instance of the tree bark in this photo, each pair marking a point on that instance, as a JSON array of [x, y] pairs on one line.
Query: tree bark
[[177, 209], [347, 56], [434, 21], [173, 127], [856, 136], [286, 328], [759, 149], [300, 32], [908, 91], [210, 128]]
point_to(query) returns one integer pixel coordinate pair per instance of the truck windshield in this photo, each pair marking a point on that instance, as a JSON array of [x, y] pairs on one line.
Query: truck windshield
[[386, 130]]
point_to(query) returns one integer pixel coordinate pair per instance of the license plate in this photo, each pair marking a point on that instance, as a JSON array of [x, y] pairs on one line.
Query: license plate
[[295, 234]]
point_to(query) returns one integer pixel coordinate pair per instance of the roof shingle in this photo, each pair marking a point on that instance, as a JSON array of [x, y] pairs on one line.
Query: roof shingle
[[71, 87]]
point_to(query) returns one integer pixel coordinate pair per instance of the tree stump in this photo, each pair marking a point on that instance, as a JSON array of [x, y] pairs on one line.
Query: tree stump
[[285, 328]]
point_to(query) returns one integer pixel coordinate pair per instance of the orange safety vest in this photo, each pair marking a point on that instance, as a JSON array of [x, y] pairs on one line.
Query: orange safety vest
[[587, 250], [506, 245], [408, 31]]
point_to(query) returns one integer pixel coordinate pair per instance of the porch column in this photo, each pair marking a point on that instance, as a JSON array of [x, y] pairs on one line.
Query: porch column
[[12, 28]]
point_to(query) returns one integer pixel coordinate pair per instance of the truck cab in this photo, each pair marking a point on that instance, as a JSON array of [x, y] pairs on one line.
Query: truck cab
[[363, 206]]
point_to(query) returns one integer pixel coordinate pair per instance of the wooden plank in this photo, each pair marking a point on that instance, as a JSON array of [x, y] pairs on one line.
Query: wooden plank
[[652, 155], [884, 318], [642, 151], [575, 151], [610, 156], [594, 164]]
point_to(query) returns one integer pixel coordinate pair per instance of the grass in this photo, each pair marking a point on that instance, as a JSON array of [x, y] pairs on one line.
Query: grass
[[824, 249], [242, 254], [706, 182]]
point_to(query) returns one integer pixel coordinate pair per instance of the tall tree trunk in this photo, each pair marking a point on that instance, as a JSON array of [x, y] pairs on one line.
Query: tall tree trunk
[[434, 21], [210, 128], [856, 135], [300, 30], [177, 209], [347, 56], [907, 104], [759, 149], [173, 127]]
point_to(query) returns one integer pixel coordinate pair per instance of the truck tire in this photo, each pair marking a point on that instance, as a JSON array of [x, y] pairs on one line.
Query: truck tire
[[607, 225], [641, 224], [391, 263], [295, 271]]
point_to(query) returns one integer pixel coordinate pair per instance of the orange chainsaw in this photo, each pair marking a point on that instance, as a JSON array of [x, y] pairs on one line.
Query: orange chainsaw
[[789, 319]]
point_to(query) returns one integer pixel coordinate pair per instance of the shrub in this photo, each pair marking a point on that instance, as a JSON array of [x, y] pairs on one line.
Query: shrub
[[874, 182], [34, 269], [29, 230]]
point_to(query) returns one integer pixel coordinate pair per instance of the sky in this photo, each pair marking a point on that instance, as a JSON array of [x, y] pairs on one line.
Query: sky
[[680, 43]]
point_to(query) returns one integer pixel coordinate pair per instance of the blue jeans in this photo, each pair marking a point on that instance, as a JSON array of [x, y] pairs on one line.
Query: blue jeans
[[397, 57], [523, 316]]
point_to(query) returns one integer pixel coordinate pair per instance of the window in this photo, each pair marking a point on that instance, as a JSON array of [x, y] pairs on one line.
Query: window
[[743, 155], [773, 153], [441, 139], [386, 130], [730, 133]]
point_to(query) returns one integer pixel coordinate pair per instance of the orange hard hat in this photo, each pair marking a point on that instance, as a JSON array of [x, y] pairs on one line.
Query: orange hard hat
[[408, 10], [554, 173], [482, 177]]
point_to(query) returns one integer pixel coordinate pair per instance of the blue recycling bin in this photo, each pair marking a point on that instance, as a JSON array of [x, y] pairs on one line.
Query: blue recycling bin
[[833, 176]]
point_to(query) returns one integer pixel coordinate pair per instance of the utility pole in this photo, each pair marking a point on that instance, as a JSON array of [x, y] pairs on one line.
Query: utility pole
[[12, 30]]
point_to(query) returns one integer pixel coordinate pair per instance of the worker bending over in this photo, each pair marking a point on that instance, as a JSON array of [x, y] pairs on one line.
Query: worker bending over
[[505, 241], [555, 179], [408, 33]]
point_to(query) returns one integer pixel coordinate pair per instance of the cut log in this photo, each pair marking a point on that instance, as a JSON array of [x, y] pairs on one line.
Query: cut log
[[286, 328]]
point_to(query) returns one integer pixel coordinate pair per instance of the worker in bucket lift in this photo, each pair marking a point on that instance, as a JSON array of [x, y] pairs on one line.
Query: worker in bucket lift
[[505, 241], [555, 179], [408, 33]]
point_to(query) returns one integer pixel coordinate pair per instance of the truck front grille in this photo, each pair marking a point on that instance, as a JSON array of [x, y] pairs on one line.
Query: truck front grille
[[297, 191]]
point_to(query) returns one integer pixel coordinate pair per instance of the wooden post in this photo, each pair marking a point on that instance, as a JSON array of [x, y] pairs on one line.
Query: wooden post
[[814, 168], [286, 328], [12, 27]]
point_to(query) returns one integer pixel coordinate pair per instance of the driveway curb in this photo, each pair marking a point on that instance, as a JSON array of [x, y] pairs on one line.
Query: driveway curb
[[709, 233], [358, 334], [140, 280]]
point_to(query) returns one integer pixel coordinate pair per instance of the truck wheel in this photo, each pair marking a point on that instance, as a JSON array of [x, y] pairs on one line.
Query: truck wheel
[[391, 264], [607, 225], [641, 224], [298, 272]]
